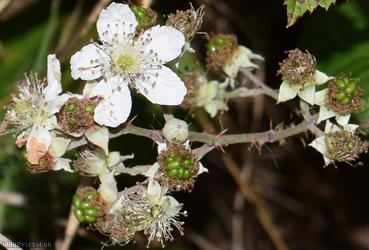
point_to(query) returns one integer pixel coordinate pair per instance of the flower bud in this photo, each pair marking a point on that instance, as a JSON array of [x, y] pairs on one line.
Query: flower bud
[[175, 129]]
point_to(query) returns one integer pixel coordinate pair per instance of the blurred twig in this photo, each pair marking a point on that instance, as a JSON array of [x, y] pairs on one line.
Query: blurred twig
[[84, 28], [252, 197], [200, 241]]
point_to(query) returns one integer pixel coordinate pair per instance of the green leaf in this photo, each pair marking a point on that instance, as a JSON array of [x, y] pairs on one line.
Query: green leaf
[[297, 8]]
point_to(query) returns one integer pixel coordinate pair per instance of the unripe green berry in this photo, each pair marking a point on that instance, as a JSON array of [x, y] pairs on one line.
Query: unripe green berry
[[79, 215], [90, 212], [72, 120], [340, 96], [174, 165], [91, 196], [180, 173], [90, 109], [186, 174], [71, 107], [76, 201], [188, 163], [351, 87], [172, 172], [217, 40], [90, 219], [341, 83], [98, 207], [346, 100], [84, 205]]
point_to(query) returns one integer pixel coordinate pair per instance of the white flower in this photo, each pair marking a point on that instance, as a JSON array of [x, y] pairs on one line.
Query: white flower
[[320, 143], [34, 110], [152, 211], [306, 92], [241, 58], [325, 112], [123, 60], [207, 96]]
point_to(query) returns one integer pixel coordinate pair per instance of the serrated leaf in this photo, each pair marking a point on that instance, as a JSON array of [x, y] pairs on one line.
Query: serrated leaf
[[297, 8]]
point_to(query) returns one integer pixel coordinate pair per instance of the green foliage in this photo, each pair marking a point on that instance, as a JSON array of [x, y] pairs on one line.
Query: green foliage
[[297, 8]]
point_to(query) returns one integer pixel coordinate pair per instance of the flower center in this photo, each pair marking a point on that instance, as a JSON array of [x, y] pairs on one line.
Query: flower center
[[126, 62]]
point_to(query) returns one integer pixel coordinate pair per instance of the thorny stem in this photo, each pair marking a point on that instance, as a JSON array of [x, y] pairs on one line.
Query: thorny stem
[[269, 136]]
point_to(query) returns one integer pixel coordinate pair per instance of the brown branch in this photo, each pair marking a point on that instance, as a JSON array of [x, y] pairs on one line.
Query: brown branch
[[261, 207]]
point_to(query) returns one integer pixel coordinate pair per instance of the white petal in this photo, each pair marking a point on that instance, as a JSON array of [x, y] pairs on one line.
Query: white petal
[[202, 169], [163, 87], [61, 164], [99, 136], [154, 190], [307, 94], [55, 105], [59, 146], [114, 159], [166, 41], [321, 78], [108, 187], [286, 92], [85, 64], [152, 170], [327, 161], [39, 141], [324, 114], [89, 87], [116, 22], [320, 145], [50, 123], [343, 120], [351, 127], [330, 127], [53, 88], [161, 146], [320, 97], [241, 58], [115, 108]]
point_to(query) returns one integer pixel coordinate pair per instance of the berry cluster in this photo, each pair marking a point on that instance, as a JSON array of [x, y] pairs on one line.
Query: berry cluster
[[178, 167], [86, 209], [347, 88]]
